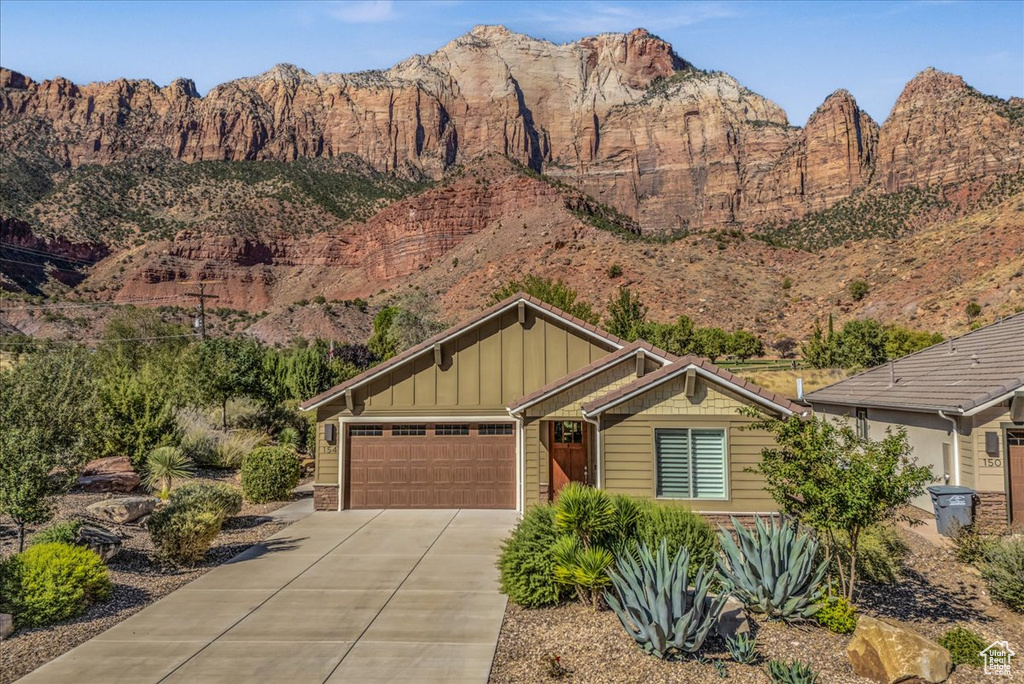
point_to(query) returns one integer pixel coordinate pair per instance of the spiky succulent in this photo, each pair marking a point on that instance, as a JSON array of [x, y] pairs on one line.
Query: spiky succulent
[[742, 648], [773, 569], [649, 595], [791, 673]]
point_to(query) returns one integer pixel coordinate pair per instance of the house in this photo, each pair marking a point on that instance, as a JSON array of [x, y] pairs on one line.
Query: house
[[962, 404], [504, 409]]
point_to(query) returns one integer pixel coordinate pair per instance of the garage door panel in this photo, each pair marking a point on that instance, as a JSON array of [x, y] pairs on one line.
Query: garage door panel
[[431, 471]]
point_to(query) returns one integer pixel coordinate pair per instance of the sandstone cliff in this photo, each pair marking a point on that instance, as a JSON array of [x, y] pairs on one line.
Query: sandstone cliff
[[620, 116]]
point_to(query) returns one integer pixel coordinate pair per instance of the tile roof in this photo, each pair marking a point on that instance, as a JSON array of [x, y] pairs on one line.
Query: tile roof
[[679, 366], [455, 330], [956, 375], [605, 361]]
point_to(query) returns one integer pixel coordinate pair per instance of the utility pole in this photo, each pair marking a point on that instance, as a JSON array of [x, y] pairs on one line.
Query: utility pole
[[200, 323]]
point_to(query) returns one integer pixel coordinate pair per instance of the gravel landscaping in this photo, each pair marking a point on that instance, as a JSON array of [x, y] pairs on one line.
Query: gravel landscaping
[[138, 577], [935, 594]]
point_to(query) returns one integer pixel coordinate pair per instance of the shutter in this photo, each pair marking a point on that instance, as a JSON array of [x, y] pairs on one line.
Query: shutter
[[708, 448], [673, 450]]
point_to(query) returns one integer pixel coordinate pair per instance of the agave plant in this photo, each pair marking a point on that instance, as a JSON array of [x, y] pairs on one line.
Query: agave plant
[[584, 568], [651, 600], [742, 648], [773, 569], [164, 465], [791, 673]]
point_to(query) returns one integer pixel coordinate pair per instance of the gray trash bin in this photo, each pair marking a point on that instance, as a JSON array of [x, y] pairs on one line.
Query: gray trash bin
[[954, 507]]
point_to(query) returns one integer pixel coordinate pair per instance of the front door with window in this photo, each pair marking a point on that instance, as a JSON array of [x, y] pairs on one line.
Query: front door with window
[[1015, 467], [568, 440]]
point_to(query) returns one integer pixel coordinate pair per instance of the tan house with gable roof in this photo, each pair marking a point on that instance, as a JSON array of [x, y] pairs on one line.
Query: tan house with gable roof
[[504, 409]]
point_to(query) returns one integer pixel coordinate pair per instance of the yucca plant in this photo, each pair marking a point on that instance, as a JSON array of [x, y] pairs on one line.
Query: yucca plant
[[651, 600], [742, 648], [585, 569], [289, 437], [773, 570], [164, 465], [791, 673], [585, 512]]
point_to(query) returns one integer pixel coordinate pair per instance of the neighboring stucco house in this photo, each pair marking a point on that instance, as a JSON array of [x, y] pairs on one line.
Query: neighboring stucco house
[[504, 409], [962, 404]]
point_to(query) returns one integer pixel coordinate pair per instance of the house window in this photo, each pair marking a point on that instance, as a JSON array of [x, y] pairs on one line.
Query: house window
[[408, 430], [862, 423], [494, 429], [569, 432], [366, 430], [449, 430], [691, 464]]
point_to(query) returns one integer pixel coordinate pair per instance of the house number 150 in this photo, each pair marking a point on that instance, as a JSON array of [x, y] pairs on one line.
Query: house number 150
[[992, 462]]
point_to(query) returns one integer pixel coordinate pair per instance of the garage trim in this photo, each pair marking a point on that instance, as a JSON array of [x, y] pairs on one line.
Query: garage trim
[[344, 421]]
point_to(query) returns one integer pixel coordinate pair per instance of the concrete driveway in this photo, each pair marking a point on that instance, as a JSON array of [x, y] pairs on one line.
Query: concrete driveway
[[355, 596]]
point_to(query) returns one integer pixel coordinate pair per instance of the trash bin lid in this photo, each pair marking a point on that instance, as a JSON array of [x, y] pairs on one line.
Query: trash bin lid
[[939, 490]]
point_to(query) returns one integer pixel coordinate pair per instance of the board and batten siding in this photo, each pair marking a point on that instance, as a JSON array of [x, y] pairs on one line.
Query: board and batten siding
[[989, 477], [627, 437], [482, 371]]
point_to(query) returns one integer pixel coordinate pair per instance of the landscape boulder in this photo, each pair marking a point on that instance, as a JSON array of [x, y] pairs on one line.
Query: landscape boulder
[[123, 510], [113, 474], [6, 625], [98, 539], [733, 619], [889, 652]]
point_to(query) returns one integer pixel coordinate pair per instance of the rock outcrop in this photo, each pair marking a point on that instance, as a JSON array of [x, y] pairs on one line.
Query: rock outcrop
[[889, 652], [123, 510], [620, 116], [113, 474]]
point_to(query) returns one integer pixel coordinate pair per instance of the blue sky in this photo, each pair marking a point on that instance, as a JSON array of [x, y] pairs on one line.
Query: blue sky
[[795, 53]]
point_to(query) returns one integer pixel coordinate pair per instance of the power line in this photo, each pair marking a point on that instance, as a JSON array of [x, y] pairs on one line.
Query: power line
[[98, 339], [45, 254], [50, 307]]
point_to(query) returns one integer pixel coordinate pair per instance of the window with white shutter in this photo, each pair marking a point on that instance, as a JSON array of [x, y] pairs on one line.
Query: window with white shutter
[[691, 464]]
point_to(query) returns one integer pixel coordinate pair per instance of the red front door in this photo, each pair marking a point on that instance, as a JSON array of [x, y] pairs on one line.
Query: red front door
[[568, 440]]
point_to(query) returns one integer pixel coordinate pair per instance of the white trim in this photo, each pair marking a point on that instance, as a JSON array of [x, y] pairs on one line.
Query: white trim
[[405, 420], [459, 331], [992, 402], [342, 438], [597, 446], [717, 379], [586, 376], [956, 446]]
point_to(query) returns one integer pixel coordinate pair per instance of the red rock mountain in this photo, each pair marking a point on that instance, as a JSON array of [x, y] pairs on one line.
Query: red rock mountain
[[620, 116]]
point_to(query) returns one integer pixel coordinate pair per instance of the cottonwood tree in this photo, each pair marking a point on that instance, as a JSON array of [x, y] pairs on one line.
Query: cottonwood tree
[[828, 477], [553, 292], [44, 404]]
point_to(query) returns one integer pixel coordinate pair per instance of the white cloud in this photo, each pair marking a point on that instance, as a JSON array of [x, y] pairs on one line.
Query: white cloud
[[362, 11]]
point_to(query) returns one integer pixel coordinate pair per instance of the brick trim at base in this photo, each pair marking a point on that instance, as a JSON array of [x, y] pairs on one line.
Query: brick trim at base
[[325, 497], [990, 512]]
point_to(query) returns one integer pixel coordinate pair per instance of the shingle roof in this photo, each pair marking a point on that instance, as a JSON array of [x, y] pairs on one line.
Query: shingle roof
[[455, 330], [679, 366], [605, 361], [956, 375]]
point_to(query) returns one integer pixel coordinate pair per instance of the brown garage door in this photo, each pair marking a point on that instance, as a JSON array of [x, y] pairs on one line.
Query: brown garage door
[[457, 465]]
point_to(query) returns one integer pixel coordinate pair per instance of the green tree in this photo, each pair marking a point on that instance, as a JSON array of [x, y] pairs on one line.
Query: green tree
[[225, 369], [900, 341], [401, 326], [743, 345], [861, 344], [381, 342], [553, 292], [135, 413], [711, 343], [311, 370], [626, 315], [973, 310], [676, 338], [45, 402], [826, 476]]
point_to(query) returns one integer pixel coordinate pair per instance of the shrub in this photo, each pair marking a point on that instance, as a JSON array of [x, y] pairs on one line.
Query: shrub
[[199, 446], [1003, 571], [773, 570], [652, 603], [270, 474], [968, 543], [858, 289], [289, 437], [65, 532], [681, 528], [614, 271], [838, 615], [526, 564], [232, 451], [787, 283], [791, 673], [164, 465], [182, 533], [218, 496], [52, 582], [964, 646], [881, 556]]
